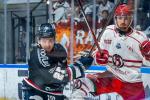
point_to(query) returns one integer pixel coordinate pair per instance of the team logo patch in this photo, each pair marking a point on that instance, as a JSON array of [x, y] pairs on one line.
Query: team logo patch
[[43, 58], [117, 60], [45, 28], [118, 45]]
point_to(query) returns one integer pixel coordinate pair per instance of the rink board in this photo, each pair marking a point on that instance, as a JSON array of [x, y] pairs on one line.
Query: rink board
[[11, 76]]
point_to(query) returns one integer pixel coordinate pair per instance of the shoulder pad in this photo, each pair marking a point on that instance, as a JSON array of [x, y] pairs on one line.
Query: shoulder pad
[[112, 27], [59, 51]]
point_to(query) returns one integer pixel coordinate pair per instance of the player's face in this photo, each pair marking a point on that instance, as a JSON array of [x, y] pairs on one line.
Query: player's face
[[47, 43], [123, 22]]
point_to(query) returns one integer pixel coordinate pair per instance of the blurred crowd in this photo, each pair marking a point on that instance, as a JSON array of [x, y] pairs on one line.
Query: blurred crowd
[[101, 10]]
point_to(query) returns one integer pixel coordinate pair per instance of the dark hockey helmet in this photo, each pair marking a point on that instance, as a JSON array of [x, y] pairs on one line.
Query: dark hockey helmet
[[46, 30]]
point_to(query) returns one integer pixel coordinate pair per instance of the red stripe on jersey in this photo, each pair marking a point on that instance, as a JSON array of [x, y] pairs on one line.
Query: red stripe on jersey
[[126, 60], [141, 34], [133, 66], [69, 72], [135, 39], [83, 91], [110, 61], [113, 30], [127, 65], [134, 61], [29, 82]]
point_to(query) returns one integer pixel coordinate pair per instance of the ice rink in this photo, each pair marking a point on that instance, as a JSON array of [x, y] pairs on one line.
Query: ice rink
[[11, 76]]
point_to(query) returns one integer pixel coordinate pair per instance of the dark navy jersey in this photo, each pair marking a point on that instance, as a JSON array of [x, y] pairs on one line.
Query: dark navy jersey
[[48, 69]]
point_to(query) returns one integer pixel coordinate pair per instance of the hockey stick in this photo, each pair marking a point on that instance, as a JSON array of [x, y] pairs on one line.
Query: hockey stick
[[99, 36], [94, 37], [109, 18]]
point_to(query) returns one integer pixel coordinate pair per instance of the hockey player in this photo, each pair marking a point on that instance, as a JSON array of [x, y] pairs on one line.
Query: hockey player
[[48, 71], [124, 51]]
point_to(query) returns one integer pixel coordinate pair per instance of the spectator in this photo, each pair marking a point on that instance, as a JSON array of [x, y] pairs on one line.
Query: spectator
[[61, 10], [103, 16], [106, 5]]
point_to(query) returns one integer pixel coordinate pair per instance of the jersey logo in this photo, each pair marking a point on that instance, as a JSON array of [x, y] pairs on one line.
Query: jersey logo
[[117, 60], [43, 59], [107, 41], [45, 28], [118, 46]]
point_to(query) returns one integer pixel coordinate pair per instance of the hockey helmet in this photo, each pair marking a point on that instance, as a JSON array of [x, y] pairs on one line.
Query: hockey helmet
[[46, 30], [123, 9]]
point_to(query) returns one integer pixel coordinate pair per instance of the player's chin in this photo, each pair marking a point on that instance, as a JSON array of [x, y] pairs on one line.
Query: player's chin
[[48, 49], [123, 28]]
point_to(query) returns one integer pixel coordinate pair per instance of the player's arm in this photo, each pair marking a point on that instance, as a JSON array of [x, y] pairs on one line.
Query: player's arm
[[96, 76], [101, 58], [76, 70]]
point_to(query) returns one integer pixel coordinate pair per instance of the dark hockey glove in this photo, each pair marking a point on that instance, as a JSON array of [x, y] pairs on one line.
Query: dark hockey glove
[[79, 66], [84, 61]]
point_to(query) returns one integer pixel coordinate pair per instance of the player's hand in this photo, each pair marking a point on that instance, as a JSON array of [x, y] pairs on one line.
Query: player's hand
[[81, 53], [80, 65], [102, 58], [145, 49], [86, 61]]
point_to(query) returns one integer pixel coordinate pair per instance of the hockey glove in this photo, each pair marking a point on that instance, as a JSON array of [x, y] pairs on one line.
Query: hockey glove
[[145, 49], [84, 61], [102, 58], [82, 53], [76, 70]]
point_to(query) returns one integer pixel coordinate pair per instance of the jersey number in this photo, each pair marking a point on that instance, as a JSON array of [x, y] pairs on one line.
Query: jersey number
[[59, 74]]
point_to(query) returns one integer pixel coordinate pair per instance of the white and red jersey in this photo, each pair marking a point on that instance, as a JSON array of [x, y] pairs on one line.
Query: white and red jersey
[[125, 57]]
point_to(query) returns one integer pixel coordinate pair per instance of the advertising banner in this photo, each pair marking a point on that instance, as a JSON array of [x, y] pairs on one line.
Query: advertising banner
[[83, 39]]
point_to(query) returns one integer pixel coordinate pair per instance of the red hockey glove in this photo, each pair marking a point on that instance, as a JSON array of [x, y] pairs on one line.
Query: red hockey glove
[[145, 49], [102, 58]]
